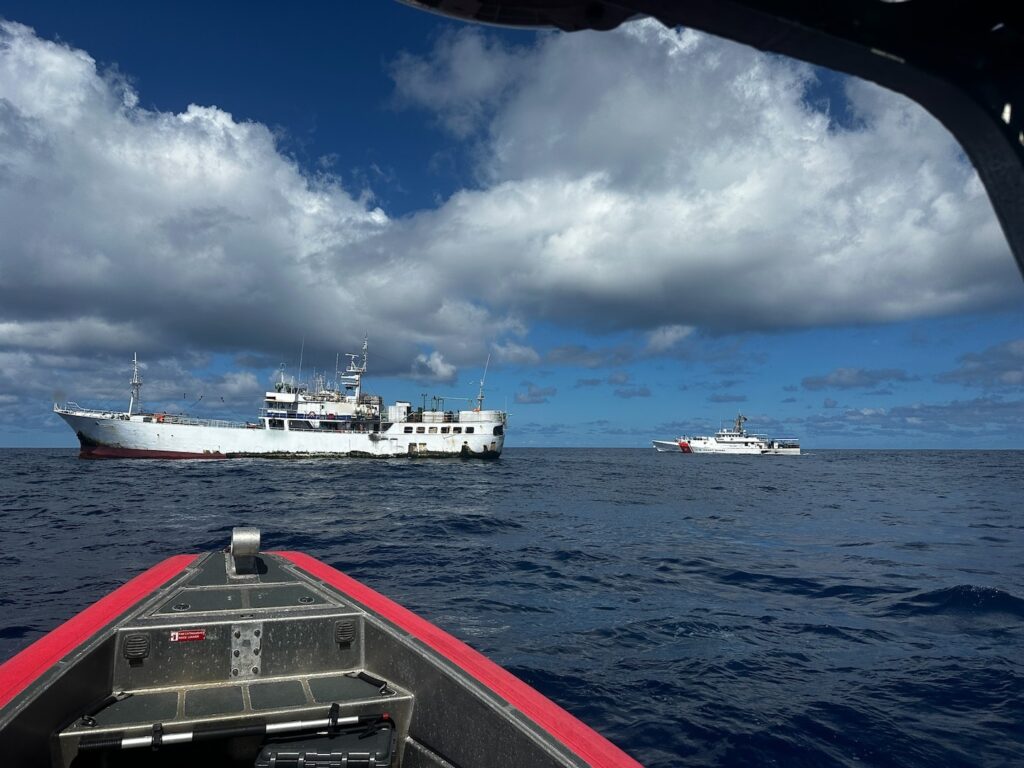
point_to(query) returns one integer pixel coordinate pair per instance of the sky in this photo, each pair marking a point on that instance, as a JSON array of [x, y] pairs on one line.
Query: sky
[[644, 231]]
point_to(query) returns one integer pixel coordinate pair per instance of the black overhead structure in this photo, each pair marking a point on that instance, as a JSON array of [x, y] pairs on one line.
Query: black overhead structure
[[962, 60]]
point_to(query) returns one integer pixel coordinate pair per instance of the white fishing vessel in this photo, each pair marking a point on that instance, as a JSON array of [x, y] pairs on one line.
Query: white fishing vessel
[[329, 418], [733, 440]]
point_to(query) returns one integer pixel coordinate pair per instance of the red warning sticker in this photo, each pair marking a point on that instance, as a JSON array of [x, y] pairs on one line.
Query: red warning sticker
[[187, 635]]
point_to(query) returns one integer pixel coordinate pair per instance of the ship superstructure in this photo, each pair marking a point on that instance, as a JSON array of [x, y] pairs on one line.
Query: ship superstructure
[[329, 417], [733, 440]]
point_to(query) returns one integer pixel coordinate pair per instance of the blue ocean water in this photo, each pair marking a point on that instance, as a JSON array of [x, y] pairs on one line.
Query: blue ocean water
[[841, 608]]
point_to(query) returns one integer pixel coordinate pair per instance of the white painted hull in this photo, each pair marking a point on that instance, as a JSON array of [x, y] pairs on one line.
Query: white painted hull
[[698, 445], [757, 449], [115, 435]]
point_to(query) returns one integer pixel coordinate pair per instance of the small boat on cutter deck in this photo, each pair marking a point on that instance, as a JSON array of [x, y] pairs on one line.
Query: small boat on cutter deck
[[243, 658]]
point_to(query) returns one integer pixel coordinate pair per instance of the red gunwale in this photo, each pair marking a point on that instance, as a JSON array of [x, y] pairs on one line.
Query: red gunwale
[[20, 671], [578, 737]]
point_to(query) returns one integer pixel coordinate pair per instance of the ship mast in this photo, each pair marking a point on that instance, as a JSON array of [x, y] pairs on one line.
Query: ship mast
[[480, 394], [136, 400], [353, 374]]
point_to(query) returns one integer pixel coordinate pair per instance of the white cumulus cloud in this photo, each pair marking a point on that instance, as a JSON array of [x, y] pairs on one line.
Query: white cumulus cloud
[[126, 228], [651, 178], [434, 368]]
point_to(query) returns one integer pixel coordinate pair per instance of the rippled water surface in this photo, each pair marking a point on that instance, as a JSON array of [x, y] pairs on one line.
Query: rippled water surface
[[840, 608]]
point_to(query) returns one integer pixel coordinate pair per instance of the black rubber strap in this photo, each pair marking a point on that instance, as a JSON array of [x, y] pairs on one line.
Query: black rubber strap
[[158, 736], [100, 742], [382, 685], [375, 724], [212, 731]]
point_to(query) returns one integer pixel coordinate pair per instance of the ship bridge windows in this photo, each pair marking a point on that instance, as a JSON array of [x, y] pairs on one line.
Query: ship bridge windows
[[499, 430], [469, 430], [408, 430], [420, 430], [457, 430]]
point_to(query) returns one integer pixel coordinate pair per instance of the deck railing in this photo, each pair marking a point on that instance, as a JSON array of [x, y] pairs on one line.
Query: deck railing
[[193, 422], [73, 407], [158, 418]]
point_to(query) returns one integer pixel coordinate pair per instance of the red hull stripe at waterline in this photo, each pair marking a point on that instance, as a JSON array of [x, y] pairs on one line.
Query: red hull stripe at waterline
[[573, 734], [109, 452], [20, 672]]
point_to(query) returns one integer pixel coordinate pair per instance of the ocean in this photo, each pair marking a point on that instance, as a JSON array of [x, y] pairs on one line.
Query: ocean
[[843, 608]]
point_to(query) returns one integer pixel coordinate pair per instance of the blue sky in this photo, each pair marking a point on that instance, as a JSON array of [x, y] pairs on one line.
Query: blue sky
[[646, 230]]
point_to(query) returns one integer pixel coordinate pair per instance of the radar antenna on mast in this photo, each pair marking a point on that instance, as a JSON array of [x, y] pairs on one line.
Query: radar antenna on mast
[[351, 380], [353, 356]]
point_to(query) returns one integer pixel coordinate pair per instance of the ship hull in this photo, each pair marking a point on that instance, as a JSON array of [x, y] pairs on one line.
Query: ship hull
[[700, 446], [116, 436], [757, 449]]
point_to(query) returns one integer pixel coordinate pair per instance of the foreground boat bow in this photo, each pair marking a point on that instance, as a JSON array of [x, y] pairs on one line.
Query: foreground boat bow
[[245, 658]]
